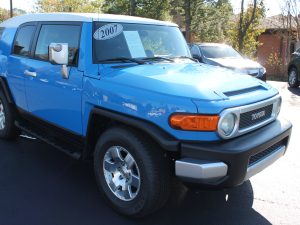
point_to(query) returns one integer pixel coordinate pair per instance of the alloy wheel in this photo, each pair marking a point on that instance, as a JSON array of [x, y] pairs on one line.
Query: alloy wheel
[[293, 77], [2, 116], [121, 173]]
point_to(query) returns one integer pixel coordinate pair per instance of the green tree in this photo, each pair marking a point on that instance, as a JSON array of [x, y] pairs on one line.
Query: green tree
[[69, 5], [5, 14], [246, 29], [211, 20], [155, 9], [185, 9], [206, 19]]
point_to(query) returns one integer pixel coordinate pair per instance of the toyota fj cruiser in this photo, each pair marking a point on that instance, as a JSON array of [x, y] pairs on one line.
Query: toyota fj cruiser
[[125, 92]]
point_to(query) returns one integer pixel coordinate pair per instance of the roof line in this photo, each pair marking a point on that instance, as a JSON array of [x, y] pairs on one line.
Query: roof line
[[80, 17]]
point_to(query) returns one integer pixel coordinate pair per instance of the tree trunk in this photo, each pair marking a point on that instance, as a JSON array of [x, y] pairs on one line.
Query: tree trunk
[[11, 9], [244, 26], [188, 20], [240, 27], [289, 38], [132, 7]]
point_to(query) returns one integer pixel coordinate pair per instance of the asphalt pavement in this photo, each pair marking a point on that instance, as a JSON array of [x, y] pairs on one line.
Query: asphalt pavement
[[40, 185]]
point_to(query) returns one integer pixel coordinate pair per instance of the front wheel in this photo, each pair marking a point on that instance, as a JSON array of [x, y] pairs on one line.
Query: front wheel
[[8, 130], [293, 78], [131, 172]]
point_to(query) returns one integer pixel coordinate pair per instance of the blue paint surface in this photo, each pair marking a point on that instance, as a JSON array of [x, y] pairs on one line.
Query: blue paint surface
[[151, 91]]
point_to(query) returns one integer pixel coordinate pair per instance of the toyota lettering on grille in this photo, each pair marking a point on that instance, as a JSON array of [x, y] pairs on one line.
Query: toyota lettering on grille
[[258, 115]]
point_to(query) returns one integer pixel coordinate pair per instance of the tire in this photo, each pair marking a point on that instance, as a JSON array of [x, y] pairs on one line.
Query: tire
[[293, 79], [8, 130], [148, 193]]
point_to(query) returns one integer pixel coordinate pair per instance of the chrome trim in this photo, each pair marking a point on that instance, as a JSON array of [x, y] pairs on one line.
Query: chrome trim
[[264, 163], [198, 169], [243, 109]]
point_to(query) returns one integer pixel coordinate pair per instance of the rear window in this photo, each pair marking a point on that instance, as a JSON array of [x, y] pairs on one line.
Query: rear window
[[215, 52], [23, 40]]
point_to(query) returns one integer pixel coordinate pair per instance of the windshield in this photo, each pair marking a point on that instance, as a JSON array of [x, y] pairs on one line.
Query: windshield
[[219, 52], [134, 41]]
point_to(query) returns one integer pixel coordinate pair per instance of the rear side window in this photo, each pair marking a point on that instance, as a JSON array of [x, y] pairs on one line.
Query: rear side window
[[23, 40], [58, 34]]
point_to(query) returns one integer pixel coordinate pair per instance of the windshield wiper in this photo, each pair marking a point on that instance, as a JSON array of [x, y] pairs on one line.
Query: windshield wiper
[[185, 57], [157, 58], [122, 59]]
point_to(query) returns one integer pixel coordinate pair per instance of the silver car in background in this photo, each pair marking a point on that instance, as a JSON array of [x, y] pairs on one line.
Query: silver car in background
[[225, 56]]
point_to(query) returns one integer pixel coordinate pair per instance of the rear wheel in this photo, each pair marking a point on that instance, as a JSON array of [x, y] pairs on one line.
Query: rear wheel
[[8, 130], [131, 172], [293, 78]]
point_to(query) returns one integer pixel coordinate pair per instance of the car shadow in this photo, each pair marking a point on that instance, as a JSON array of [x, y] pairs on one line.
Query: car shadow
[[231, 206], [295, 91], [40, 185]]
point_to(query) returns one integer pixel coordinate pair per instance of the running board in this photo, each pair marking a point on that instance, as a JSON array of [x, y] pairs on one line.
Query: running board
[[54, 141]]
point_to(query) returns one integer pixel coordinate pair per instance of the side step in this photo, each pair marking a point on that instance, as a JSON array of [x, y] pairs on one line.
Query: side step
[[72, 148]]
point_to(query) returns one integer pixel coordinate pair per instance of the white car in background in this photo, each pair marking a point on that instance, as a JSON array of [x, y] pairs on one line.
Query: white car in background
[[225, 56]]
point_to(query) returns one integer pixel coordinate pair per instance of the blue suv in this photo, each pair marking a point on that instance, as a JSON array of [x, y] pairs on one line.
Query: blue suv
[[125, 93]]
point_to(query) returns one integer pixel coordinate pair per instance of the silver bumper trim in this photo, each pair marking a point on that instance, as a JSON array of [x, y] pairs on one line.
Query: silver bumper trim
[[199, 169], [261, 165]]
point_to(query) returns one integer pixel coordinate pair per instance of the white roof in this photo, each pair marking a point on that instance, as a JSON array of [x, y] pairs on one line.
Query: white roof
[[80, 17]]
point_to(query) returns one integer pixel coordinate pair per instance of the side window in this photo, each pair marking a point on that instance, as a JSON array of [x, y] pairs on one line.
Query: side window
[[23, 40], [58, 34]]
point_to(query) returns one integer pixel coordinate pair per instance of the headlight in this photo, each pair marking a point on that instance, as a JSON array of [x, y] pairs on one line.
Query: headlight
[[277, 106], [227, 124]]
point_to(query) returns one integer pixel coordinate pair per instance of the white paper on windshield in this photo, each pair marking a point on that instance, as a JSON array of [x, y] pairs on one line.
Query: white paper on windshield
[[135, 44]]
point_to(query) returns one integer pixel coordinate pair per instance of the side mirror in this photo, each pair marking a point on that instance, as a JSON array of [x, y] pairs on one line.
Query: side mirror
[[59, 55], [198, 57]]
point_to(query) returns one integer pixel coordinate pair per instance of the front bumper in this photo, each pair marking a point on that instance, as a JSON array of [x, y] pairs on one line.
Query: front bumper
[[231, 162]]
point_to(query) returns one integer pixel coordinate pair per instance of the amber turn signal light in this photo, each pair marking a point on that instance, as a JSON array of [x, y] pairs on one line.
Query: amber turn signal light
[[194, 122]]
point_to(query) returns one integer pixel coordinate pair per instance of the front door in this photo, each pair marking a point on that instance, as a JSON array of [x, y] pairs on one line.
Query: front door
[[50, 96]]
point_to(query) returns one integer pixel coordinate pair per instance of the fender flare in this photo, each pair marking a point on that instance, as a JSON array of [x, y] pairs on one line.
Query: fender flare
[[165, 140]]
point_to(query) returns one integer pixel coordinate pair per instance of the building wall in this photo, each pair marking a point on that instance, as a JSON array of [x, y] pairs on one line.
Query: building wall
[[273, 44]]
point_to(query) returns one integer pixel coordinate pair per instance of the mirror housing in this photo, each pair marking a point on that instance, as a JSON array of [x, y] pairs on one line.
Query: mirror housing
[[59, 53], [198, 57]]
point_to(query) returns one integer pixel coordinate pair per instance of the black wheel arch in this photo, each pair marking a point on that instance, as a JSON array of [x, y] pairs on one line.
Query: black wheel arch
[[4, 87], [293, 66], [101, 119]]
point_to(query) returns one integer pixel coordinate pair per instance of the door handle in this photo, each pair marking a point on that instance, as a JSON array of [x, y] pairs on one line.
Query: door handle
[[28, 73]]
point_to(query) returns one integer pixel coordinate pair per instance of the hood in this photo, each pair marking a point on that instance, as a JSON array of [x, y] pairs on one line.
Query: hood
[[192, 80], [238, 63]]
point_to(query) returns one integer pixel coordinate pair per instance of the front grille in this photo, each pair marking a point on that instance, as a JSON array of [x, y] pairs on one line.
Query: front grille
[[259, 156], [254, 117]]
